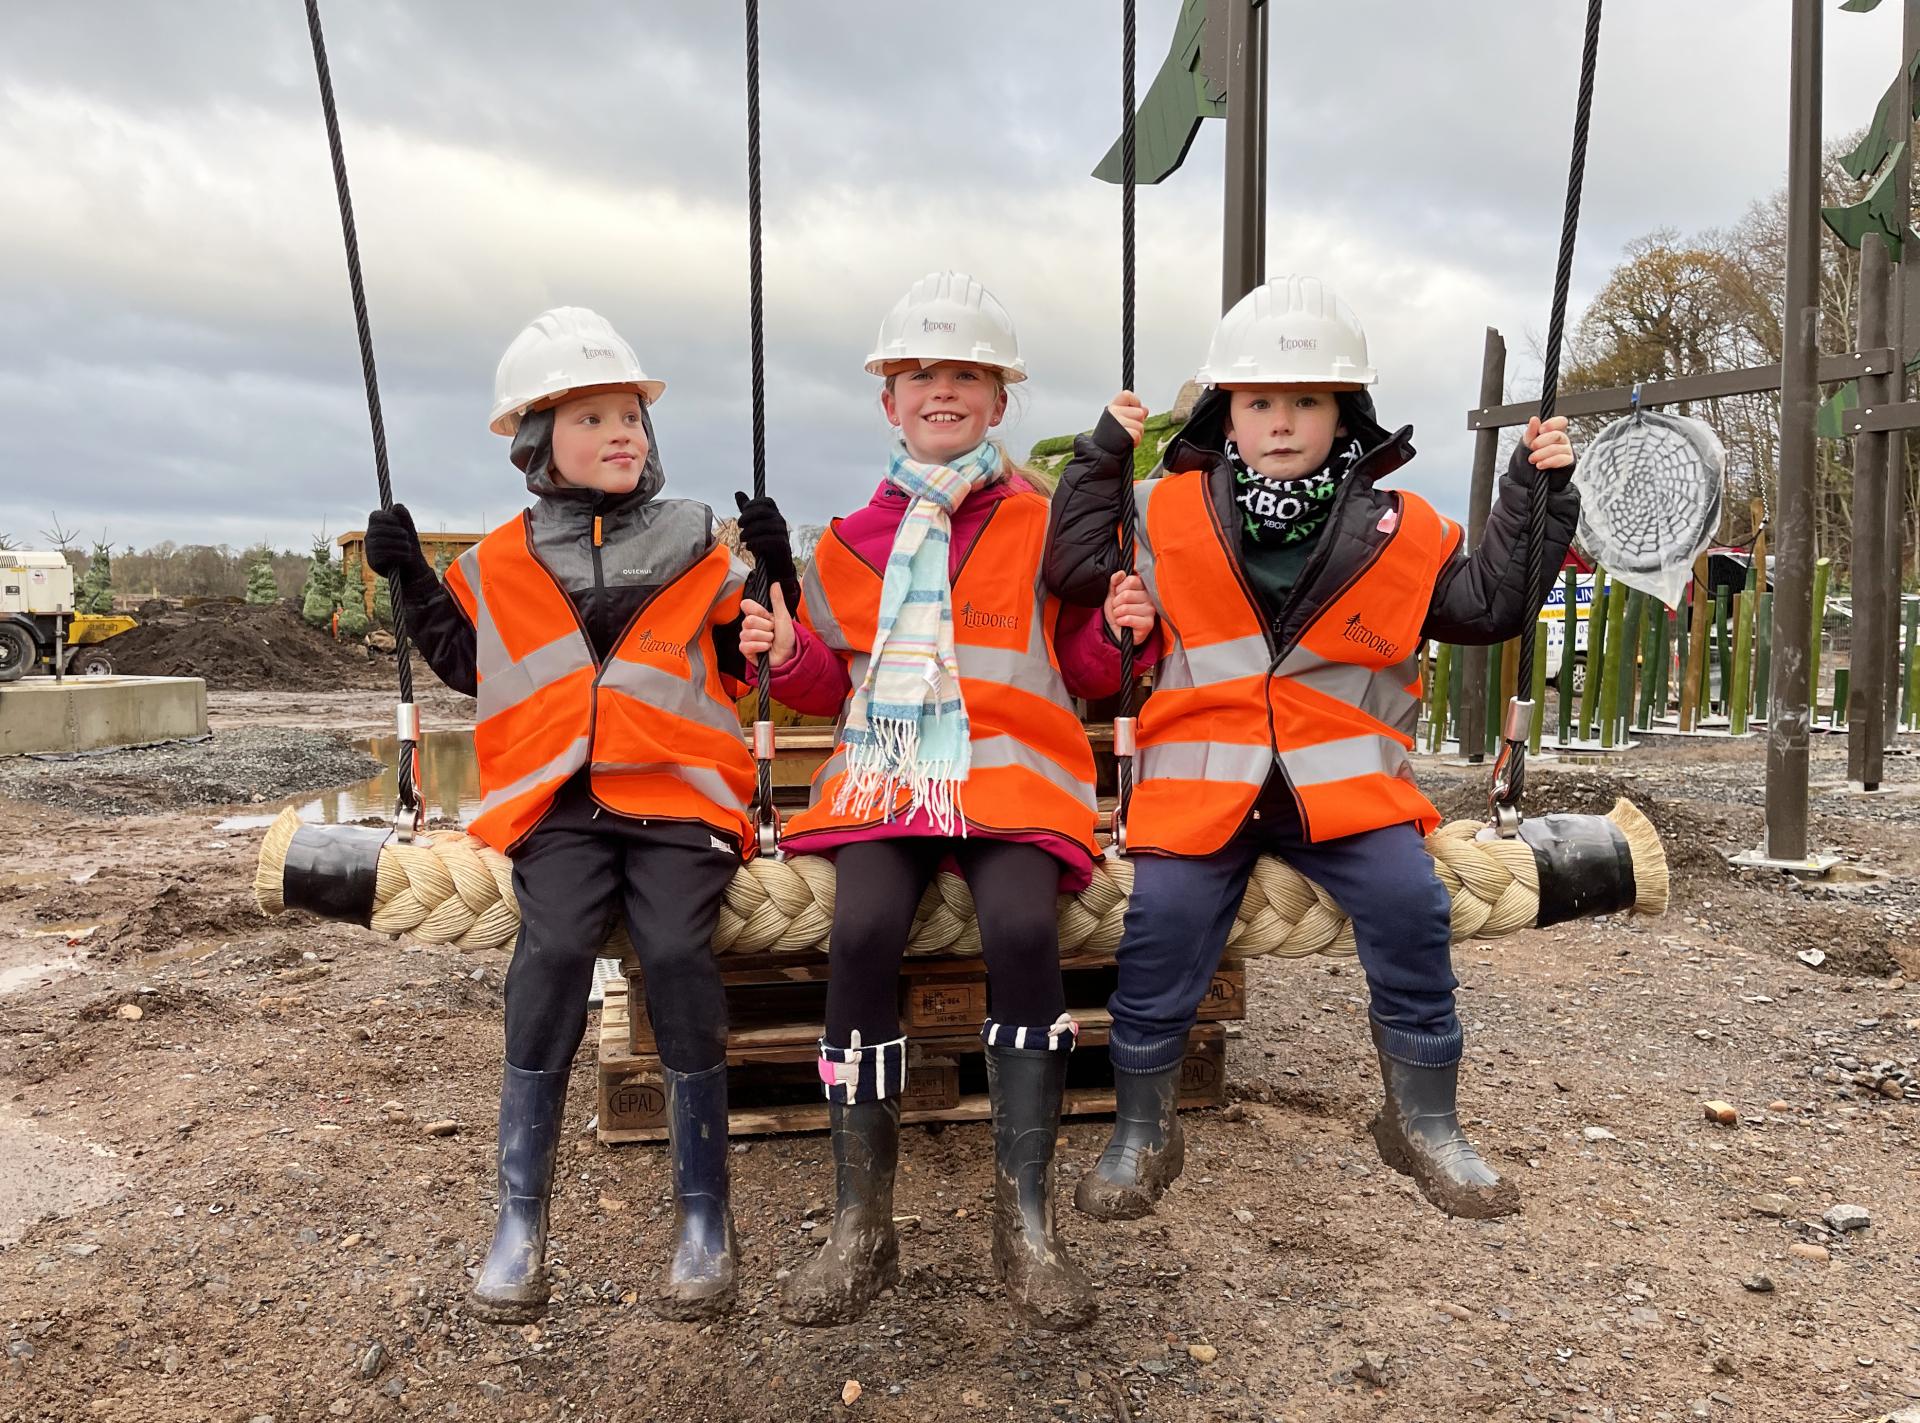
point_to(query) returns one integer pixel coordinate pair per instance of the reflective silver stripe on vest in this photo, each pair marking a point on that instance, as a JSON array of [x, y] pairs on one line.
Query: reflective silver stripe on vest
[[681, 696], [813, 594], [1226, 661], [1344, 759], [708, 783], [503, 682], [1020, 670], [1206, 761], [504, 687], [992, 753], [1379, 692], [555, 771]]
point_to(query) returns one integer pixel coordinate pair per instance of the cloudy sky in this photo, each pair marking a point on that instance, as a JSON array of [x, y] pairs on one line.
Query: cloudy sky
[[179, 362]]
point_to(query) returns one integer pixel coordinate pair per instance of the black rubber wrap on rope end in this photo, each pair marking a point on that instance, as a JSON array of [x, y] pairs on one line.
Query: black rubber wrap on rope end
[[1585, 864], [331, 870]]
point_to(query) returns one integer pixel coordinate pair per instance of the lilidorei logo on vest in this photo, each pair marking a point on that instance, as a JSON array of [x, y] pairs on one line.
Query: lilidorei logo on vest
[[973, 617], [1355, 631], [645, 641]]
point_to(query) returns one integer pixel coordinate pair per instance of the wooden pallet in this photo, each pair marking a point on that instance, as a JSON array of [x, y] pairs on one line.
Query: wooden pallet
[[779, 1000], [775, 1087]]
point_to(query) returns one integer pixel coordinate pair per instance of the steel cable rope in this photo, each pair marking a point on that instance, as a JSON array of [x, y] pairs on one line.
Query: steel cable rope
[[758, 583], [407, 716], [1510, 768], [1123, 722]]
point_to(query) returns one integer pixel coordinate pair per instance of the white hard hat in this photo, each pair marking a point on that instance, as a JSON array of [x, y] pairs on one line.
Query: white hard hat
[[566, 349], [1288, 331], [948, 316]]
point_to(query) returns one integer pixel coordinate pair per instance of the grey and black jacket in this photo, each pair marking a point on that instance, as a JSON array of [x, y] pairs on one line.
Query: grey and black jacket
[[645, 543], [1480, 597]]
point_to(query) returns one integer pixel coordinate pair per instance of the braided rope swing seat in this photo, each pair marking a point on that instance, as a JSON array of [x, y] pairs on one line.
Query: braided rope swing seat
[[445, 887], [449, 888]]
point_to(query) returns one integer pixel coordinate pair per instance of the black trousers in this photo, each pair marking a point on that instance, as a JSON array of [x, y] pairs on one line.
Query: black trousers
[[878, 886], [582, 865]]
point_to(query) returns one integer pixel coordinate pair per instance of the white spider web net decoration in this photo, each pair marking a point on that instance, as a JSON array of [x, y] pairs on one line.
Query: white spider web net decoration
[[1650, 500]]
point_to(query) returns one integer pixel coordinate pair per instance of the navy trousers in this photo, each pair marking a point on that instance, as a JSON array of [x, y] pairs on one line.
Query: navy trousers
[[1182, 911]]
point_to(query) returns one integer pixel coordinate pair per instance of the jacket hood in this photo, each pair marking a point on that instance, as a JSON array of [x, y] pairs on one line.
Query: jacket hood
[[532, 454], [1203, 439]]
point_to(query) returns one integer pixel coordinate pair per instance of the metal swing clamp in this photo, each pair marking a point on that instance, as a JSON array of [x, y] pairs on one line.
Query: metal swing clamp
[[409, 820], [766, 814], [1123, 755], [1510, 769]]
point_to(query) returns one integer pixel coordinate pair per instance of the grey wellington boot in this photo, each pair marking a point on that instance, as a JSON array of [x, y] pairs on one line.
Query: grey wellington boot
[[862, 1254], [1045, 1286], [701, 1279], [512, 1287], [1418, 1132], [1145, 1152]]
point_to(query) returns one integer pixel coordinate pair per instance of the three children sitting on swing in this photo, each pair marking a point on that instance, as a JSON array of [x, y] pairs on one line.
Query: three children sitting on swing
[[1280, 594]]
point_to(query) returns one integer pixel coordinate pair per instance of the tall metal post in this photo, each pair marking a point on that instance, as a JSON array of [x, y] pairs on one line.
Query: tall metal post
[[1243, 257], [1788, 713], [1904, 337], [1471, 714], [1871, 658]]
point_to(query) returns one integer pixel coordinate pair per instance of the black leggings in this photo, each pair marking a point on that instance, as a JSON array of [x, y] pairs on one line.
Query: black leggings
[[571, 876], [879, 884]]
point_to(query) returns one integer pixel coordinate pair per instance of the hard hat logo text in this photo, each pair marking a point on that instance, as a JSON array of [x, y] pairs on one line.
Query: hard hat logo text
[[1299, 343], [927, 323], [589, 352]]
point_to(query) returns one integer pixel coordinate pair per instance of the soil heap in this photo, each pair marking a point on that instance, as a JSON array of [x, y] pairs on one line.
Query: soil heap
[[245, 647]]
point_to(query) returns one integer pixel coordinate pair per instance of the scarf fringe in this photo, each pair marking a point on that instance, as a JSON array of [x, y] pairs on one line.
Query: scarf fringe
[[887, 761]]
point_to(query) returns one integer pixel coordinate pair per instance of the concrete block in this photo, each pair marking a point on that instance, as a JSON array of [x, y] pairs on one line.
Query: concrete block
[[87, 713]]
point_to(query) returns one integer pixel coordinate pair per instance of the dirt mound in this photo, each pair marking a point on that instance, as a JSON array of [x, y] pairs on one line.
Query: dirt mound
[[243, 647]]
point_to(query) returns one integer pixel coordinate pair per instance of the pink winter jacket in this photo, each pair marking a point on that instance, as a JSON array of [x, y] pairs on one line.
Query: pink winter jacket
[[814, 680]]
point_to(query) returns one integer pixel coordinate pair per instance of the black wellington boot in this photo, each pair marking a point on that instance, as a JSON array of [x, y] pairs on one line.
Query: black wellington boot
[[1418, 1132], [1045, 1286], [512, 1287], [862, 1254], [1145, 1152], [700, 1281]]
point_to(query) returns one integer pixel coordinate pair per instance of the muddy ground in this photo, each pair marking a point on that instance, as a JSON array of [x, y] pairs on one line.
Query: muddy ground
[[219, 1198]]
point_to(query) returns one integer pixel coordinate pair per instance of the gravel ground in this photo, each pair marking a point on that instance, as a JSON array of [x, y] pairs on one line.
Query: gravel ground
[[242, 766]]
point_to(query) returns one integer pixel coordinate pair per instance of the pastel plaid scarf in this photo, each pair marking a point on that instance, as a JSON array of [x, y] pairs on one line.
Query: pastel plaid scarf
[[907, 723]]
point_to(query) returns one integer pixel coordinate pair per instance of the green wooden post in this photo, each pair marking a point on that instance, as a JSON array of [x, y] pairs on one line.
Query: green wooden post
[[1438, 706], [1742, 664], [1613, 667], [1650, 645], [1907, 665], [1723, 650], [1456, 679], [1539, 689], [1842, 684], [1682, 635], [1663, 661], [1496, 709], [1596, 653], [1821, 570], [1763, 653], [1569, 624], [1630, 661]]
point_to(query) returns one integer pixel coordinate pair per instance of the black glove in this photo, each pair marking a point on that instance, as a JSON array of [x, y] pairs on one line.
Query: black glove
[[393, 547], [763, 532]]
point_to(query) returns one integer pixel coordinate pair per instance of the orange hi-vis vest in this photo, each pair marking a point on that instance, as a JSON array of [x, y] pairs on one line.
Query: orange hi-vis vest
[[655, 722], [1032, 769], [1336, 709]]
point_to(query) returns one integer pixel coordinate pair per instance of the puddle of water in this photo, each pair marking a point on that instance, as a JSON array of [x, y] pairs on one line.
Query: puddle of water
[[186, 953], [36, 974], [448, 770]]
